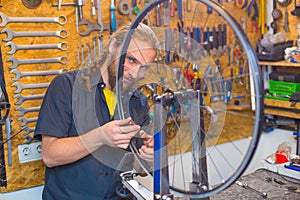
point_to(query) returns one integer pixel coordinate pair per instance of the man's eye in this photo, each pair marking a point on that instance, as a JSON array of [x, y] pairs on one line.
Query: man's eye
[[130, 59]]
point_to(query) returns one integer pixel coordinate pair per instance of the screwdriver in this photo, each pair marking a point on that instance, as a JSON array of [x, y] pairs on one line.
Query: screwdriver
[[113, 15]]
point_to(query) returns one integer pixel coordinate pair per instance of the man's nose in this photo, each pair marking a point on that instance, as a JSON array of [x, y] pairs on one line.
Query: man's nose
[[134, 72]]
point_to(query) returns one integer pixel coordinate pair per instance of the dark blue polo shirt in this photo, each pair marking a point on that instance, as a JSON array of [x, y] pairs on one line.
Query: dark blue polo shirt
[[88, 178]]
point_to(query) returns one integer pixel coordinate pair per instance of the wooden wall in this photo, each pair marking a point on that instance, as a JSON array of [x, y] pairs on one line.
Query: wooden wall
[[32, 174]]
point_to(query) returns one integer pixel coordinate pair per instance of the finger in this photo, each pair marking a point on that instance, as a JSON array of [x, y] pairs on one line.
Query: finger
[[123, 146], [121, 137], [146, 150], [123, 122], [122, 142], [149, 142], [145, 156], [130, 129]]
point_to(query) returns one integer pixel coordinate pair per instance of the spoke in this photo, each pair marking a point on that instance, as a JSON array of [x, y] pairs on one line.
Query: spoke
[[215, 166]]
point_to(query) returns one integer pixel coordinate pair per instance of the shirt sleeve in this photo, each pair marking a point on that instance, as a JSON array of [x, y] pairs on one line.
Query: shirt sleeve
[[55, 116]]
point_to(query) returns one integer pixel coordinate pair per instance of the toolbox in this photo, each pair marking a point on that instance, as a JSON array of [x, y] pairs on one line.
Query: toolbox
[[276, 53], [283, 88], [285, 76]]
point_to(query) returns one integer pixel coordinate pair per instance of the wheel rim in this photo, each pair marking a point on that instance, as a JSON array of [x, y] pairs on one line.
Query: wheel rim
[[253, 73]]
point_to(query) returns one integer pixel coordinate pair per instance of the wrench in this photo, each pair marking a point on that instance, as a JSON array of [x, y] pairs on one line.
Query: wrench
[[82, 55], [26, 98], [100, 44], [28, 130], [99, 13], [91, 27], [124, 7], [14, 47], [20, 74], [94, 27], [61, 20], [89, 54], [16, 62], [27, 120], [13, 34], [21, 87], [26, 110], [95, 48]]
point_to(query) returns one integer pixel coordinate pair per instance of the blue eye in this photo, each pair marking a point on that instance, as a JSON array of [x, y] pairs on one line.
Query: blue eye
[[130, 59]]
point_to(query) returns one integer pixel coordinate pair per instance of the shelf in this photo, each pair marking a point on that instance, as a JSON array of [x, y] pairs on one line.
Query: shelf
[[279, 64], [282, 108]]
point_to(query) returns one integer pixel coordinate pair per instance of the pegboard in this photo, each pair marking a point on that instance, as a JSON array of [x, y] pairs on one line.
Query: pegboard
[[31, 174]]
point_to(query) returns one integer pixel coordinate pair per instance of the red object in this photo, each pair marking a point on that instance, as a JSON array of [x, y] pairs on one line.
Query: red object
[[282, 156], [189, 76]]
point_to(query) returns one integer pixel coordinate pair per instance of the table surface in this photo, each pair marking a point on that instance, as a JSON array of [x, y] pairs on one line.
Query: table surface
[[275, 185]]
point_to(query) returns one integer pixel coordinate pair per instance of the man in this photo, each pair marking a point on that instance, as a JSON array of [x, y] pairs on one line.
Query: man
[[82, 139]]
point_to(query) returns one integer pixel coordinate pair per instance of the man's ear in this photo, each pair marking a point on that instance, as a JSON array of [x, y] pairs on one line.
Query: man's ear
[[111, 46]]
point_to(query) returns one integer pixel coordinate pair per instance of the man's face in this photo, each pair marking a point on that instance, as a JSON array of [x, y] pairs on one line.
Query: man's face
[[139, 55]]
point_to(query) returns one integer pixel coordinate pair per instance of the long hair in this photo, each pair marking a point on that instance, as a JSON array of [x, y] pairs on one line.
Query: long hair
[[142, 33]]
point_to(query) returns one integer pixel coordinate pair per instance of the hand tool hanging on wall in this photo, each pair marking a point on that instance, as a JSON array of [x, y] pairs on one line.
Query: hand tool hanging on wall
[[80, 3], [124, 7], [172, 11], [208, 40], [113, 18], [241, 3], [296, 10], [214, 41], [167, 13], [179, 9], [61, 20], [286, 21], [220, 40], [21, 98], [13, 34], [4, 108], [93, 9], [158, 16], [188, 45], [21, 87], [196, 46], [175, 45], [69, 4], [16, 62], [20, 74], [27, 120], [26, 110], [168, 40], [262, 16], [32, 3], [283, 3], [8, 136], [15, 47]]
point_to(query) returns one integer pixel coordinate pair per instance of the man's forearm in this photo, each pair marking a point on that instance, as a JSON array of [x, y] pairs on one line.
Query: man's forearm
[[60, 151]]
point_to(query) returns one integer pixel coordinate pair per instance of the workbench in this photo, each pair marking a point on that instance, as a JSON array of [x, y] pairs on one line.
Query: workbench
[[262, 182]]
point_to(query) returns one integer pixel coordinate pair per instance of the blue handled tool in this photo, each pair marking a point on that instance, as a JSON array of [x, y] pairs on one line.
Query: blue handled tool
[[179, 9], [113, 18]]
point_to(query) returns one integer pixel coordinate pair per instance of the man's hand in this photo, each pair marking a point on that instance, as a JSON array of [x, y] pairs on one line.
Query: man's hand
[[118, 133], [146, 151]]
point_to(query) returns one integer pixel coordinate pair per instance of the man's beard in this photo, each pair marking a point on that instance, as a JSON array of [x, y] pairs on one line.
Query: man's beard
[[112, 79]]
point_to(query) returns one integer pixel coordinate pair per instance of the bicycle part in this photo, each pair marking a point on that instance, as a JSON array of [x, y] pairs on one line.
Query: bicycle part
[[200, 149]]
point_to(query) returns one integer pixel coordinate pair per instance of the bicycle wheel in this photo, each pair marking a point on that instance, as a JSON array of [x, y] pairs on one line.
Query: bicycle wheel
[[207, 93]]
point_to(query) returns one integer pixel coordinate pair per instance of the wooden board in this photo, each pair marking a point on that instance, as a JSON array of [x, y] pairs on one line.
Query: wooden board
[[31, 174]]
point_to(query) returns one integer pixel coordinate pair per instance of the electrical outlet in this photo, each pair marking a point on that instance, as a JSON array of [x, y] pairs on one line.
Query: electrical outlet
[[30, 152]]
